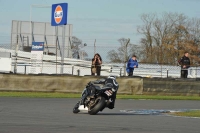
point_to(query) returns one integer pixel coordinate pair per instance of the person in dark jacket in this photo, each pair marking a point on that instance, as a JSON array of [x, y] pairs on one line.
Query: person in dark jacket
[[132, 63], [185, 64]]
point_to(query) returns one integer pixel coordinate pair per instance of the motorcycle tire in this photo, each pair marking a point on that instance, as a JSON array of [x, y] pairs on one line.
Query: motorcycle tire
[[75, 109], [98, 107]]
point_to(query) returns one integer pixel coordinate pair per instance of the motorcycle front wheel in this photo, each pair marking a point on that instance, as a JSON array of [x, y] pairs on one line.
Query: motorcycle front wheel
[[99, 105], [75, 109]]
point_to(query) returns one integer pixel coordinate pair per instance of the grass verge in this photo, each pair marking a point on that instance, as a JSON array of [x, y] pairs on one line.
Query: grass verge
[[75, 95], [192, 113], [40, 94]]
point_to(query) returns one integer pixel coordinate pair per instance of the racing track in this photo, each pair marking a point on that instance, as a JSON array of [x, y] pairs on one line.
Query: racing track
[[54, 115]]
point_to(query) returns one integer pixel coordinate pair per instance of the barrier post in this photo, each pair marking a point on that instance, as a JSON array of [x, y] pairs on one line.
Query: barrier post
[[78, 72], [120, 74], [110, 69], [25, 69], [167, 73], [73, 70]]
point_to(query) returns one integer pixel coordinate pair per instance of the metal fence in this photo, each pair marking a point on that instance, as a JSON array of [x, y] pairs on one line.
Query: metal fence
[[51, 65], [23, 33], [22, 36]]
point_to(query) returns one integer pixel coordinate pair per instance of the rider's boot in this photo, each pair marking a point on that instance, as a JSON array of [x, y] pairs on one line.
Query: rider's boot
[[111, 105]]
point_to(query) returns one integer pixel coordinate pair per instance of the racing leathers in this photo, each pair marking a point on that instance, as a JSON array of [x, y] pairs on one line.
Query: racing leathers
[[108, 82]]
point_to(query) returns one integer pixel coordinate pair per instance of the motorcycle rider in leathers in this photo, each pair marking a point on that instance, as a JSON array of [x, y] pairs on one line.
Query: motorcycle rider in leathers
[[110, 81]]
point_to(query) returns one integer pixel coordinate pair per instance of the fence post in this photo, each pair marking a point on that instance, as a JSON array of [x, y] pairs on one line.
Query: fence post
[[196, 72], [167, 73], [125, 56], [110, 69], [25, 70], [72, 69], [78, 72], [120, 74], [16, 54]]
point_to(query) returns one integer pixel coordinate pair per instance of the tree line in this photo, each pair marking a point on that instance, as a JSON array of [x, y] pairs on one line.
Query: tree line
[[165, 38]]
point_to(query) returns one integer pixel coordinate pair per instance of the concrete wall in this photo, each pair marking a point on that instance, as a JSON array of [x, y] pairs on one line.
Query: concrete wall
[[167, 86], [64, 83], [75, 84]]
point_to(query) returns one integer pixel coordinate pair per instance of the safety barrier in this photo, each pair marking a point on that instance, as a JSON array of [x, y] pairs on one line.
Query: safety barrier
[[75, 84]]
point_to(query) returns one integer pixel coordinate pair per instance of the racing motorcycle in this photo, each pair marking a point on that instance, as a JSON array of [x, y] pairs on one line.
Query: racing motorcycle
[[95, 98]]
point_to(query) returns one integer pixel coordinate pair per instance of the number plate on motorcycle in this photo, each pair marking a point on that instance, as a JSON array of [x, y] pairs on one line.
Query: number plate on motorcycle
[[108, 92]]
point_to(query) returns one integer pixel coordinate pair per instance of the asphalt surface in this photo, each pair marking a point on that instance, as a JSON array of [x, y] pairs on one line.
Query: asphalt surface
[[54, 115]]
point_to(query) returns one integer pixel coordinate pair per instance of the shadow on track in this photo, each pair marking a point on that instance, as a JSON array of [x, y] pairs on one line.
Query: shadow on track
[[117, 114]]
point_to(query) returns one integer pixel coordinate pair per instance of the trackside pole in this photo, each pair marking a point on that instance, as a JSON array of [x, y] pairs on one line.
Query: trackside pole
[[63, 49], [59, 17]]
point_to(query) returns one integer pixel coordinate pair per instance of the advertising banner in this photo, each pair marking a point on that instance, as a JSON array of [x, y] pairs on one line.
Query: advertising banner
[[59, 14], [36, 57], [5, 62]]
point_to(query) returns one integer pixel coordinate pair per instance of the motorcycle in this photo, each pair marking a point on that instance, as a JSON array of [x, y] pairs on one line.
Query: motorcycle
[[95, 98]]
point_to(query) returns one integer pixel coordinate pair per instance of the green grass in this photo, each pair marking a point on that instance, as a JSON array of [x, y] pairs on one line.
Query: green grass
[[193, 113], [158, 97], [39, 95], [75, 95]]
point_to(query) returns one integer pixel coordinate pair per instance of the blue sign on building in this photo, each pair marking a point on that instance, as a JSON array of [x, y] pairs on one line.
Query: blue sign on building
[[37, 46], [59, 14]]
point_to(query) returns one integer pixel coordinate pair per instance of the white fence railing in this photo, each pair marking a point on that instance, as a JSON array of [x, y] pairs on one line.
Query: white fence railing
[[51, 65]]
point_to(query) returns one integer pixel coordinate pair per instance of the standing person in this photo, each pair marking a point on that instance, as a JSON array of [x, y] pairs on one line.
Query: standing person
[[132, 63], [185, 64], [96, 65]]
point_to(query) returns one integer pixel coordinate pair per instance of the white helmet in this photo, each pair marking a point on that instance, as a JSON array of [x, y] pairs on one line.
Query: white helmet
[[112, 77]]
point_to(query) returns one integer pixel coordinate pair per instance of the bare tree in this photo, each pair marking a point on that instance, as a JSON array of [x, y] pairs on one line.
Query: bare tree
[[146, 31], [76, 45], [123, 52], [166, 37]]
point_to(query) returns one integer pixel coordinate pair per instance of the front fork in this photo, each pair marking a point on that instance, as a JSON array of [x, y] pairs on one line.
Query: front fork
[[83, 96]]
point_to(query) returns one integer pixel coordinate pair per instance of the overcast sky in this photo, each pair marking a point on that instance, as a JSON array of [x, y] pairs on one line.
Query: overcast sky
[[103, 20]]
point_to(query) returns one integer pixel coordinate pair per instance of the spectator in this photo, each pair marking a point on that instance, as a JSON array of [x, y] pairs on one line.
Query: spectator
[[96, 65], [185, 64], [131, 64]]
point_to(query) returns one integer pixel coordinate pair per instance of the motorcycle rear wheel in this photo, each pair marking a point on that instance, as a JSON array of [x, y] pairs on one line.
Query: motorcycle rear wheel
[[100, 104]]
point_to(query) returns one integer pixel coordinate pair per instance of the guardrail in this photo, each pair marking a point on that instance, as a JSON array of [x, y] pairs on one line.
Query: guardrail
[[51, 65]]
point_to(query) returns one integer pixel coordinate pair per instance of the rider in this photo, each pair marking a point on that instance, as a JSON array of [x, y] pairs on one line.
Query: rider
[[110, 81]]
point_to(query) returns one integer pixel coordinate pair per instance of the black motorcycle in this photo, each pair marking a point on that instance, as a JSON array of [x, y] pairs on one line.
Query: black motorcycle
[[97, 97]]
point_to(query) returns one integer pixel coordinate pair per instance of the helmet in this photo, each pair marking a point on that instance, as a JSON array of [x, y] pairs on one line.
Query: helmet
[[112, 77]]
